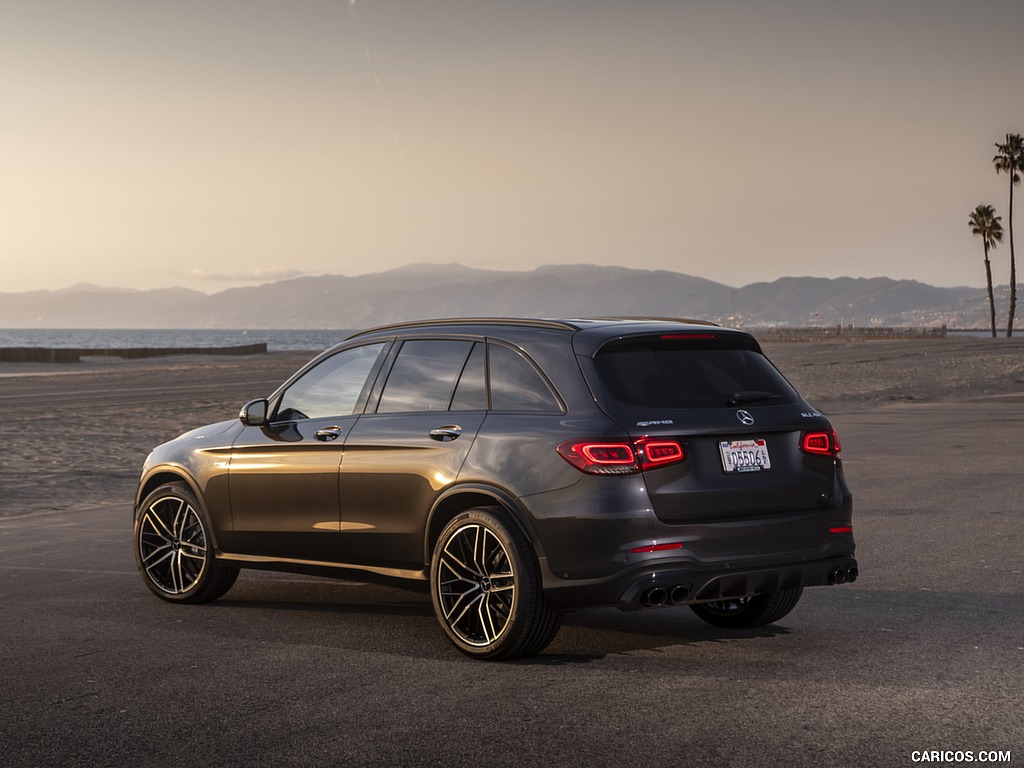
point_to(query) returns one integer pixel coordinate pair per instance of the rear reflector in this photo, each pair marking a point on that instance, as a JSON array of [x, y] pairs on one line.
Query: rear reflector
[[597, 457], [841, 529], [658, 547]]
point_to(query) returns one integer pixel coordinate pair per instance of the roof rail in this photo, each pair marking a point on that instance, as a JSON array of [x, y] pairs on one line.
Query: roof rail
[[531, 322], [687, 320]]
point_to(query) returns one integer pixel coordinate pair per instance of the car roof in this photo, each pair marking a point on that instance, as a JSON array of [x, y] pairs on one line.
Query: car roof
[[614, 325]]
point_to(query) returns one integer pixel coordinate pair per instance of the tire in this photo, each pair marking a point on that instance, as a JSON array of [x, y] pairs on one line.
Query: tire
[[744, 612], [486, 588], [174, 550]]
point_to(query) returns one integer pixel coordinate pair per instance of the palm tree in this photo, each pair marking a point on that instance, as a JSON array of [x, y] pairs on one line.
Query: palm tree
[[1010, 160], [985, 224]]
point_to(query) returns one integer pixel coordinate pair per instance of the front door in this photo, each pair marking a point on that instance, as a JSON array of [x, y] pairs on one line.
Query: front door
[[283, 478], [284, 489]]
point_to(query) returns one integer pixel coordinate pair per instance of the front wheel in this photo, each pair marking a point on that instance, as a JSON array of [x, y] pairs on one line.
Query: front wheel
[[486, 588], [173, 549], [745, 612]]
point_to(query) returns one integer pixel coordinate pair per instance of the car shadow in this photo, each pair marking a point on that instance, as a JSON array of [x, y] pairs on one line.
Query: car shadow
[[586, 635], [625, 632]]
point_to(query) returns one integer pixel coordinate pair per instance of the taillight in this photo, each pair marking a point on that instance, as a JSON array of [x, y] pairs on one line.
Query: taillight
[[821, 444], [658, 453], [597, 457]]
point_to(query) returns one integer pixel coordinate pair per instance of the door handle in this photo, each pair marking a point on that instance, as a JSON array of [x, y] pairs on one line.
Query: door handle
[[328, 433], [446, 434]]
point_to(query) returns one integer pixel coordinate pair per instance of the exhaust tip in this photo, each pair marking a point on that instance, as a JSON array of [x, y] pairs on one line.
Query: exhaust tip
[[678, 593], [655, 596], [843, 575]]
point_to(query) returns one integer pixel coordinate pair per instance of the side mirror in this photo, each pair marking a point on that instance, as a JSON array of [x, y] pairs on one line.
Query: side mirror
[[254, 413]]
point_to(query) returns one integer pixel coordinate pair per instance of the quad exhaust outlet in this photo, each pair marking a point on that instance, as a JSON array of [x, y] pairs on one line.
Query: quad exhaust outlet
[[843, 575], [661, 596]]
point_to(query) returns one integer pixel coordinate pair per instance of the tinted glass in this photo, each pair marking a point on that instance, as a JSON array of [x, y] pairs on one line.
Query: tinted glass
[[471, 391], [423, 376], [332, 388], [516, 385], [670, 374]]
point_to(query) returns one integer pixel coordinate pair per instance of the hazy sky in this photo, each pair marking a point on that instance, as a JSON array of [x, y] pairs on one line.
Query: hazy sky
[[212, 143]]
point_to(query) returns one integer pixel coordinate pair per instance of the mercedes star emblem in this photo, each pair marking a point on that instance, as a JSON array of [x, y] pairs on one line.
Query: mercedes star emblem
[[745, 417]]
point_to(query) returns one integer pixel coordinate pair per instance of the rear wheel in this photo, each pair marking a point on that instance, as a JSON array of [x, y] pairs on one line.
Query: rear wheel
[[173, 549], [754, 611], [486, 588]]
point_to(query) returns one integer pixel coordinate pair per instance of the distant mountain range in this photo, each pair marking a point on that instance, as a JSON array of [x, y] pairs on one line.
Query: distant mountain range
[[426, 290]]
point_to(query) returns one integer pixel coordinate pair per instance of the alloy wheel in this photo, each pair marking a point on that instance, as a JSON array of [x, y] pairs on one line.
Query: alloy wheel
[[172, 545], [476, 585]]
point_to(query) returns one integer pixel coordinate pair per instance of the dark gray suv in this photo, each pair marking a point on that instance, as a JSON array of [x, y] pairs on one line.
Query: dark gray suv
[[516, 469]]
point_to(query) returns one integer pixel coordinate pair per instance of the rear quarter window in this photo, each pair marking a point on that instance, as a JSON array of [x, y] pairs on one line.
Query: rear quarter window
[[516, 385]]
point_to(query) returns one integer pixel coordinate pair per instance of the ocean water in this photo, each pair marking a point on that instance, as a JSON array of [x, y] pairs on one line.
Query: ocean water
[[277, 340]]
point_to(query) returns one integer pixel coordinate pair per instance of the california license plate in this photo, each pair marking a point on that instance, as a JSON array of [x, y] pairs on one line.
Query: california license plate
[[744, 455]]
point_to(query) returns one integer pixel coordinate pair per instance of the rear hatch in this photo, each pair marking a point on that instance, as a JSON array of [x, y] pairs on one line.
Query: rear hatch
[[750, 445]]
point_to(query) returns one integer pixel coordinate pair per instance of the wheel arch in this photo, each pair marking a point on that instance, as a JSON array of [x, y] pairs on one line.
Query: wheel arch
[[161, 476], [465, 497], [171, 473]]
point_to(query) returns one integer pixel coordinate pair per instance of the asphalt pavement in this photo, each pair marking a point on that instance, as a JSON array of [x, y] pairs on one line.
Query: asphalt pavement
[[924, 653]]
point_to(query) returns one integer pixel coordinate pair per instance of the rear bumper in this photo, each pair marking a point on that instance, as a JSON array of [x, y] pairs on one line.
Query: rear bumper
[[666, 583], [593, 553]]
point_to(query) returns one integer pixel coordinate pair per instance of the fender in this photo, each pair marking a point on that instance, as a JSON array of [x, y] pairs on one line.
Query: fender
[[503, 498], [172, 472], [162, 474]]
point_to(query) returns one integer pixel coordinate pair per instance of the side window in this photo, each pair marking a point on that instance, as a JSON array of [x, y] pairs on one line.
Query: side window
[[332, 388], [471, 391], [423, 376], [515, 384]]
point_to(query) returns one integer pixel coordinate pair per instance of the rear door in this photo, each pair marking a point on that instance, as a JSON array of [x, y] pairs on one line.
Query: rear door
[[409, 447], [738, 420]]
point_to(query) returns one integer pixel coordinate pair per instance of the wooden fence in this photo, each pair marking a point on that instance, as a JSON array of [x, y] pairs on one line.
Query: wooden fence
[[71, 355], [848, 333]]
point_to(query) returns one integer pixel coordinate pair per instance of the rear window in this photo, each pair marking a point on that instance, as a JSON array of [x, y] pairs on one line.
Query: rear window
[[707, 372]]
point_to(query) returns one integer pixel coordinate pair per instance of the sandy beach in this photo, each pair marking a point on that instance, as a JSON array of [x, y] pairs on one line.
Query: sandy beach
[[75, 435], [843, 377]]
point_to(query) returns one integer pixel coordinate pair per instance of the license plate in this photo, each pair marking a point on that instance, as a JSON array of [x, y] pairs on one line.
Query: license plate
[[744, 455]]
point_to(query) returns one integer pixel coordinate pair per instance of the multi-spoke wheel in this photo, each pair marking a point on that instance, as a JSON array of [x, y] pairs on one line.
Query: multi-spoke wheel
[[753, 611], [173, 549], [486, 588]]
